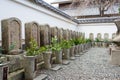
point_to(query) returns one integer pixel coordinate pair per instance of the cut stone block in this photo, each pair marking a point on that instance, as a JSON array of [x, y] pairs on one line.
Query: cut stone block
[[41, 77], [115, 57], [56, 68], [77, 55], [72, 58], [66, 62]]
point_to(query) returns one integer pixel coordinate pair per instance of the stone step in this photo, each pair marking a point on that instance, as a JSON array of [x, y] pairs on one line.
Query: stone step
[[84, 52], [77, 55], [41, 77], [65, 62], [72, 58], [56, 68]]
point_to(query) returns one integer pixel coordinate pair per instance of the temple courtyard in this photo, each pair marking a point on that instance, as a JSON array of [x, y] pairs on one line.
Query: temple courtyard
[[92, 65]]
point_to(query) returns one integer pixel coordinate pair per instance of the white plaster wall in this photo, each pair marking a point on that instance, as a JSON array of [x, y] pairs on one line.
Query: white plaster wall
[[98, 28], [28, 12]]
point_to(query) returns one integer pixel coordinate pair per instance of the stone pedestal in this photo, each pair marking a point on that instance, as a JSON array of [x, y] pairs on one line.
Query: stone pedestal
[[111, 47], [72, 54], [4, 71], [58, 55], [72, 51], [115, 57], [47, 58], [93, 44], [77, 51], [66, 53], [29, 67], [82, 48], [99, 44], [105, 44]]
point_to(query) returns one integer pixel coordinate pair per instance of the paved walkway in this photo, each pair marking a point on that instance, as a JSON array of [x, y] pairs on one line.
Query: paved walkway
[[93, 65]]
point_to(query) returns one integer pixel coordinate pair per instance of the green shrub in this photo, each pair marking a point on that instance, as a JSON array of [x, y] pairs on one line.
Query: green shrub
[[33, 49], [97, 40], [65, 44]]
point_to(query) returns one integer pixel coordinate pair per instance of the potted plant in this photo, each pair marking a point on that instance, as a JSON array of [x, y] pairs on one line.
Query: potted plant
[[13, 50], [66, 46], [77, 43], [47, 56], [97, 42], [88, 43], [83, 44], [105, 43], [72, 55], [30, 55], [57, 49]]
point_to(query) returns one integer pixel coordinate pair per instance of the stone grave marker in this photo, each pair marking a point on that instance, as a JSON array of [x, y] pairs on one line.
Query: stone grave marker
[[11, 35], [91, 36], [44, 35], [32, 31], [60, 35], [99, 36], [106, 36], [113, 35]]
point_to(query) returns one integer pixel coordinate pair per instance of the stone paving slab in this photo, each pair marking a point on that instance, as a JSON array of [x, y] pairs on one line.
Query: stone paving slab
[[92, 65]]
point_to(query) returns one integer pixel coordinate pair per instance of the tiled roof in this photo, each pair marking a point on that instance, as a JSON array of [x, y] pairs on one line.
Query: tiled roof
[[79, 21], [48, 6], [98, 20]]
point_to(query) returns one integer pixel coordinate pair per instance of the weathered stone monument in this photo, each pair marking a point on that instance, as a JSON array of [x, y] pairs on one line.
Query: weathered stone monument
[[60, 35], [99, 36], [32, 31], [113, 35], [91, 36], [54, 31], [44, 35], [115, 50], [11, 36], [65, 34], [106, 36]]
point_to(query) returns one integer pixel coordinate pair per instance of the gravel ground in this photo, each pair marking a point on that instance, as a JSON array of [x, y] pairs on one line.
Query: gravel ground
[[92, 65]]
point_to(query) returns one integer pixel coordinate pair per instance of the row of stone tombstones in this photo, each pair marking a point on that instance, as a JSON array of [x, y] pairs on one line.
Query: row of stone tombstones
[[11, 34], [99, 36]]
